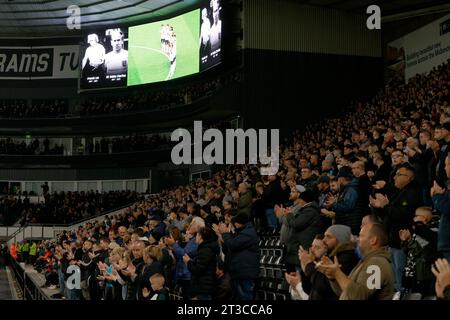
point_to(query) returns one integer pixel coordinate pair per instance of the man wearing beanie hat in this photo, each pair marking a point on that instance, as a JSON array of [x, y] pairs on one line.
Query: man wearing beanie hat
[[372, 241], [299, 224], [345, 206], [338, 241]]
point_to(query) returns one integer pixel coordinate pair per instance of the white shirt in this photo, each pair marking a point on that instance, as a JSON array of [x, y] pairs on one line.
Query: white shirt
[[214, 35], [173, 51], [116, 63], [297, 293], [95, 54], [205, 31]]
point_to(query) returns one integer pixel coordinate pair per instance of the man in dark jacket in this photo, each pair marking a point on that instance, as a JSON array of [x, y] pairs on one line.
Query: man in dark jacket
[[86, 266], [338, 241], [245, 200], [241, 250], [130, 275], [420, 246], [308, 179], [203, 267], [364, 186], [441, 202], [444, 142], [397, 213], [224, 290], [345, 206], [272, 195], [303, 222]]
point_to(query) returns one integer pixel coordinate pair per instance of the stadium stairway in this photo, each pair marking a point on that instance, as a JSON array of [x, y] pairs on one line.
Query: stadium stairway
[[5, 285]]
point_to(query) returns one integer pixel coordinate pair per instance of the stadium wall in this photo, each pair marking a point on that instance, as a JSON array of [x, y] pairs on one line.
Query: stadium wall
[[304, 87], [290, 26]]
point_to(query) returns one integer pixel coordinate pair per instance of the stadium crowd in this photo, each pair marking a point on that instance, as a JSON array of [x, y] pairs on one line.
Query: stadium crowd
[[62, 207], [37, 108], [132, 101], [140, 100], [358, 199], [128, 144], [35, 147]]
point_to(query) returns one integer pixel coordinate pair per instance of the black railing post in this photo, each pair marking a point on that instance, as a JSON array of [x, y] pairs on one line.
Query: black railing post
[[24, 285]]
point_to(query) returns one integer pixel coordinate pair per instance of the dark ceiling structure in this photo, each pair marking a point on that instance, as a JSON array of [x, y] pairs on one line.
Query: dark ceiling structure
[[31, 18], [49, 17]]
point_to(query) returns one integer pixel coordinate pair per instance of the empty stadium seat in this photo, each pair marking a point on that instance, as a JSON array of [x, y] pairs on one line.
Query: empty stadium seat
[[270, 296], [261, 295]]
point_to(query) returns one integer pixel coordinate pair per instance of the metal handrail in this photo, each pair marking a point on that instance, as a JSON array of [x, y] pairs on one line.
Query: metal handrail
[[29, 288]]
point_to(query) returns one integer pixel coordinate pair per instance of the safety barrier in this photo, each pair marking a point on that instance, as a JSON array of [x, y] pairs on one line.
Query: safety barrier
[[29, 288]]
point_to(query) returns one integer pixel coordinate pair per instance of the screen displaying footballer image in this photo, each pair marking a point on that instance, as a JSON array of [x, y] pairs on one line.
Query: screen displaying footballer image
[[164, 50], [104, 59], [210, 34]]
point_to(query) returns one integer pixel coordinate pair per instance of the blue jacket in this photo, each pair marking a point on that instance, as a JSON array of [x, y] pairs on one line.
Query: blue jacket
[[441, 202], [181, 270], [242, 253], [346, 208]]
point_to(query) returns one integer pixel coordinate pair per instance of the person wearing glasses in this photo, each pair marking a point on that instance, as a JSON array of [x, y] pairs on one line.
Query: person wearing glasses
[[397, 212]]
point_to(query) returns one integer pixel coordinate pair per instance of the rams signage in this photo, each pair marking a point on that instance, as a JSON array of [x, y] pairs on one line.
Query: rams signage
[[57, 62]]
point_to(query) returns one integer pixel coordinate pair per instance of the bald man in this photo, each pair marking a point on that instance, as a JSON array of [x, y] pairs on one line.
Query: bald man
[[373, 277]]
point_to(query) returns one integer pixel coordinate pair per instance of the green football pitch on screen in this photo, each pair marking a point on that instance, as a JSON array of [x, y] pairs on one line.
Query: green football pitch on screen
[[148, 63]]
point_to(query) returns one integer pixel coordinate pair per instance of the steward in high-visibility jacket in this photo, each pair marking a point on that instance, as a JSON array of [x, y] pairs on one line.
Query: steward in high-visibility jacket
[[33, 253], [12, 251]]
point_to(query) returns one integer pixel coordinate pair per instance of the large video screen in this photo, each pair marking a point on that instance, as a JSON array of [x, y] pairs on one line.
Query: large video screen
[[210, 35], [164, 50], [153, 52], [104, 57]]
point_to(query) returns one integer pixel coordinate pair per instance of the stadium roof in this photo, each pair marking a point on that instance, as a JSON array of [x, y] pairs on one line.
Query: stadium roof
[[25, 18], [22, 18], [388, 7]]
